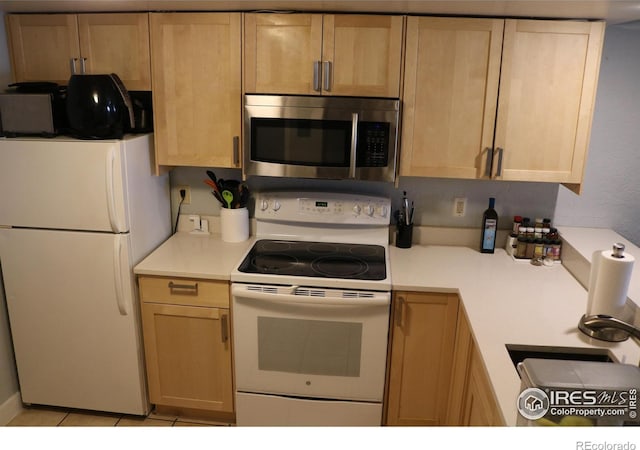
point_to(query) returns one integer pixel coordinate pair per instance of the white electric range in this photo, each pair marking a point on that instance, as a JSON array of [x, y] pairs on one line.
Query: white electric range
[[311, 311]]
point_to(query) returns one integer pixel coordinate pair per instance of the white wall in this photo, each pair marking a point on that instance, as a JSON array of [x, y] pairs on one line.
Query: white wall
[[611, 194], [433, 196], [8, 377]]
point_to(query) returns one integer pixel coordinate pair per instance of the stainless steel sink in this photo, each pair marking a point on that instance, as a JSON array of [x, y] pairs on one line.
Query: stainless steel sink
[[519, 353]]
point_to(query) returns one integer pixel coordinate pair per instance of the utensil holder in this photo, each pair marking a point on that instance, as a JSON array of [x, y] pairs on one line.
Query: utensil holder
[[234, 224], [404, 235]]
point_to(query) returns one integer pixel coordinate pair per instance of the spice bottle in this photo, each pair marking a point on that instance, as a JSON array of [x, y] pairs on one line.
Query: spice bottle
[[517, 221], [521, 249], [538, 249], [530, 248]]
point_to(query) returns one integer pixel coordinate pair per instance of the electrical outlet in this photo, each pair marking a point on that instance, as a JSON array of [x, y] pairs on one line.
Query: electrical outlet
[[459, 206], [187, 197]]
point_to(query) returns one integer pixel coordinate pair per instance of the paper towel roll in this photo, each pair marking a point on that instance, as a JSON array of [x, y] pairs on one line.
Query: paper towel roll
[[609, 283]]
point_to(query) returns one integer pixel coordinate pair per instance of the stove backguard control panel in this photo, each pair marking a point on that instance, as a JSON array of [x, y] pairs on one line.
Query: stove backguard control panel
[[323, 208]]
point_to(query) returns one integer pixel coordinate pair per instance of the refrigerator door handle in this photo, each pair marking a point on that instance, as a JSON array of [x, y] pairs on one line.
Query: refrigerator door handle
[[117, 266], [111, 200]]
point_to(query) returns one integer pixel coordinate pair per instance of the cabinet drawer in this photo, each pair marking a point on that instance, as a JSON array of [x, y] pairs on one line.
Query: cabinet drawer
[[184, 291]]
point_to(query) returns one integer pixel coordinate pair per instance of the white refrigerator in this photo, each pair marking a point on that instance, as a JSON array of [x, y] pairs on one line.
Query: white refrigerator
[[75, 217]]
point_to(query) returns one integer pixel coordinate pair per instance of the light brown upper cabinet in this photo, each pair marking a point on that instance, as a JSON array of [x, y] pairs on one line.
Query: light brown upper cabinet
[[315, 54], [50, 47], [501, 99], [196, 73]]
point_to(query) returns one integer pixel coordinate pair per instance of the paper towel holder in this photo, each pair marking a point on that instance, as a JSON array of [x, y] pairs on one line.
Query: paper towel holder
[[607, 328]]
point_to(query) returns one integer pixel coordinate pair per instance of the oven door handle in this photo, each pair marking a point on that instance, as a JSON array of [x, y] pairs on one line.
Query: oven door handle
[[377, 298]]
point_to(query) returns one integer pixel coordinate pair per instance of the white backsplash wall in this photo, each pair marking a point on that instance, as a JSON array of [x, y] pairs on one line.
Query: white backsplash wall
[[611, 190], [433, 197]]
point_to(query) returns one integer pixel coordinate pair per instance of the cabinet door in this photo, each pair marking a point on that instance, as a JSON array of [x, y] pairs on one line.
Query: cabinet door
[[117, 43], [421, 358], [451, 78], [362, 55], [188, 356], [471, 399], [547, 91], [42, 46], [480, 408], [196, 88], [282, 53]]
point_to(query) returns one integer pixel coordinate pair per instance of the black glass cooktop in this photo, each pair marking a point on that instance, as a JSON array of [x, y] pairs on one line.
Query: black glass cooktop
[[316, 259]]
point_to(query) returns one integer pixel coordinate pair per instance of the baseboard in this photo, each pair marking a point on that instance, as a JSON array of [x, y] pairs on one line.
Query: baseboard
[[10, 409]]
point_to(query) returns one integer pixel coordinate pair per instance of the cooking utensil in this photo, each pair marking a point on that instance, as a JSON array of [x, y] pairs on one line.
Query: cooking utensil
[[212, 185], [228, 197], [218, 197]]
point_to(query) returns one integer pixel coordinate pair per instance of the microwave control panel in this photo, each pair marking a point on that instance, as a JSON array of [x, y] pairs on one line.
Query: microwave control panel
[[373, 144]]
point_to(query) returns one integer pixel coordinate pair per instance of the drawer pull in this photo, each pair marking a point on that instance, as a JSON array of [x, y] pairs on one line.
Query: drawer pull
[[400, 312], [224, 328], [188, 289]]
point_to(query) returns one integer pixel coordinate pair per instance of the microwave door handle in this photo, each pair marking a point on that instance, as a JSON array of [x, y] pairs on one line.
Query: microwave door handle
[[354, 145]]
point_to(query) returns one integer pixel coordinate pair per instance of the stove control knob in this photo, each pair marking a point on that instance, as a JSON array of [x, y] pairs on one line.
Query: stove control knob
[[264, 204], [276, 205], [369, 210], [357, 209], [383, 211]]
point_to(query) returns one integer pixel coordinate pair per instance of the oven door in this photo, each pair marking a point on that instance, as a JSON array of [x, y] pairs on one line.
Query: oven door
[[310, 342], [316, 137]]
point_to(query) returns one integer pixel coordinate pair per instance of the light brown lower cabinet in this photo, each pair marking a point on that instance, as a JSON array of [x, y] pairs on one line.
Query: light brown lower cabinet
[[422, 344], [187, 340], [471, 400], [436, 375]]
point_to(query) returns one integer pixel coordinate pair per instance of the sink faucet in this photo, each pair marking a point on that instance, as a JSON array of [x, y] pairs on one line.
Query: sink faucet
[[607, 328]]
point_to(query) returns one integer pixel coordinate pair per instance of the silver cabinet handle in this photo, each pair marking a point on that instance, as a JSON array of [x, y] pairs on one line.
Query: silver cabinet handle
[[487, 170], [236, 151], [72, 65], [354, 144], [83, 65], [326, 75], [500, 151], [189, 289], [224, 327], [316, 76]]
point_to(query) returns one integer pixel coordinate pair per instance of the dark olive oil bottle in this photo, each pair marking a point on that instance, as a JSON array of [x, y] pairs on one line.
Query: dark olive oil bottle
[[489, 228]]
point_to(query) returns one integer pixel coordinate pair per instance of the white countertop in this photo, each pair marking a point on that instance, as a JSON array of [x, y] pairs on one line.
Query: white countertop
[[507, 301], [588, 240], [194, 256]]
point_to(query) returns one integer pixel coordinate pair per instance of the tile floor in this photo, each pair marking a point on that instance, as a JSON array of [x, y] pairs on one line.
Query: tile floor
[[60, 417]]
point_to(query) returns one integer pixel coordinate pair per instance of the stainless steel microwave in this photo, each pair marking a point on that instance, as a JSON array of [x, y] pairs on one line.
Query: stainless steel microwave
[[321, 137]]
